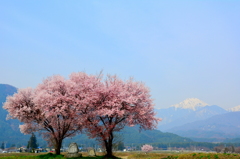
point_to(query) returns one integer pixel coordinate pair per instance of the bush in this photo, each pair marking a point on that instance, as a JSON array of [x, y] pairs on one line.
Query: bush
[[147, 148]]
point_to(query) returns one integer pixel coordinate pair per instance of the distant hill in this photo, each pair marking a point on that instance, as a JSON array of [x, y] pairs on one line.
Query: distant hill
[[218, 127], [5, 90], [188, 111], [9, 129], [132, 135]]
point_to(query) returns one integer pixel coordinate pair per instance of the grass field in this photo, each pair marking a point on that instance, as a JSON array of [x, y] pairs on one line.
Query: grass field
[[127, 155]]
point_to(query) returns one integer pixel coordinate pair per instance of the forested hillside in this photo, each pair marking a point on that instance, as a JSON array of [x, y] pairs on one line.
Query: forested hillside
[[5, 90], [9, 129]]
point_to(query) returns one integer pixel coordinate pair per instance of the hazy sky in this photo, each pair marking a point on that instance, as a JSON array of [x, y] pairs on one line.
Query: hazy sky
[[180, 49]]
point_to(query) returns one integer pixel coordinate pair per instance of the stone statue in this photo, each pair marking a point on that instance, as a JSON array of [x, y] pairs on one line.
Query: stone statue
[[91, 152], [73, 151]]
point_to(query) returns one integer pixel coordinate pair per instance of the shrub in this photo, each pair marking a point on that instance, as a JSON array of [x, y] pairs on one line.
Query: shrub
[[147, 148]]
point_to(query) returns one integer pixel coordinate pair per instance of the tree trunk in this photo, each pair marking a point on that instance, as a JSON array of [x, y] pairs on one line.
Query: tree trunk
[[109, 149], [108, 145], [58, 146]]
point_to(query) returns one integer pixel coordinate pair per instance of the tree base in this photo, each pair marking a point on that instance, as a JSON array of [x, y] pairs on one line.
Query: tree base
[[110, 157]]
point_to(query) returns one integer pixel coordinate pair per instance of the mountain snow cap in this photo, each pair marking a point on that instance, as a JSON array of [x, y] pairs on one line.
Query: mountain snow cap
[[190, 103], [234, 109]]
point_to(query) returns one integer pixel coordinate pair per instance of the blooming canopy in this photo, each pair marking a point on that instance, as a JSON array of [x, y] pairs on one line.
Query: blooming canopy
[[60, 107]]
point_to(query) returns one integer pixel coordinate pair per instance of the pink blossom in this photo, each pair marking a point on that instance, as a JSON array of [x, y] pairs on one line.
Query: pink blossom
[[147, 148]]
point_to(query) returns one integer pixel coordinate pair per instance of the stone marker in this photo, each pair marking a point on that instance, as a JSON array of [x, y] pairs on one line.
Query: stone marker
[[73, 151], [91, 152]]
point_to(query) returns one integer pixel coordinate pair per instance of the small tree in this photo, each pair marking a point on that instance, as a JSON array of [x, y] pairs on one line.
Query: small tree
[[232, 149], [32, 143], [2, 146], [219, 148], [117, 142], [147, 148], [120, 145], [237, 150], [226, 150]]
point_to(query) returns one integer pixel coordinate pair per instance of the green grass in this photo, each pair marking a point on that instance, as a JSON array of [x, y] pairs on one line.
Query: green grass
[[43, 156]]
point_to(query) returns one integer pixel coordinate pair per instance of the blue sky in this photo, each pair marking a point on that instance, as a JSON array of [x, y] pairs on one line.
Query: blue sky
[[180, 49]]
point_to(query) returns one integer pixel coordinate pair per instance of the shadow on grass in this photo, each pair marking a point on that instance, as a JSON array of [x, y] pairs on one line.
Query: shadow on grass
[[54, 156]]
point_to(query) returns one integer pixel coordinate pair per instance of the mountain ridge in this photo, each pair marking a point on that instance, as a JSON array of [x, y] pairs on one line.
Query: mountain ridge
[[172, 117], [219, 126], [188, 116], [234, 109]]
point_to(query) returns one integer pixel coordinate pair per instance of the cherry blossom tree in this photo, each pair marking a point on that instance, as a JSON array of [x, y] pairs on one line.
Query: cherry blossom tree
[[48, 109], [115, 104], [147, 148], [61, 108]]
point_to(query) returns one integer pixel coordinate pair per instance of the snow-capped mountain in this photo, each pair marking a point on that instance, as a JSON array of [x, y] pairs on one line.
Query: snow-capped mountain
[[190, 103], [188, 111], [234, 109]]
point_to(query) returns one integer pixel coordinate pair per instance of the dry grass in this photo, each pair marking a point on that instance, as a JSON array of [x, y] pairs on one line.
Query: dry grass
[[141, 155], [183, 156], [209, 156], [20, 154]]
